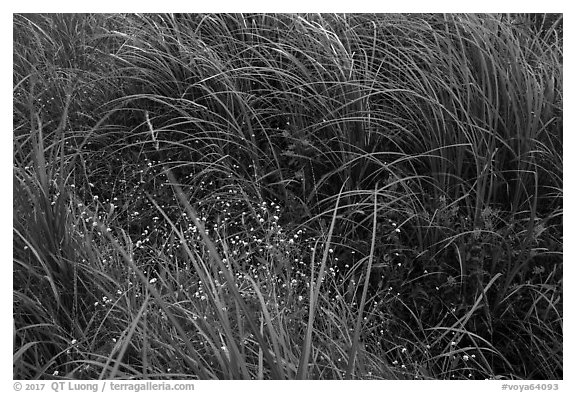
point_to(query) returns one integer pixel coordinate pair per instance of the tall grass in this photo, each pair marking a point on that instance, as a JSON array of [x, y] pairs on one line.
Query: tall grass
[[255, 196]]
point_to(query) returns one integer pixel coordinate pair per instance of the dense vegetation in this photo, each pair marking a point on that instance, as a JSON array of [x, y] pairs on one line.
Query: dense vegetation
[[288, 196]]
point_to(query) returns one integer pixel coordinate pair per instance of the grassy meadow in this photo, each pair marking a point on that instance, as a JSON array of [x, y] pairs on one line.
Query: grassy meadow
[[287, 196]]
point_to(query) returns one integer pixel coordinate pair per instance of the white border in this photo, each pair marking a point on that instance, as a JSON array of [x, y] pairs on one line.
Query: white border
[[295, 6]]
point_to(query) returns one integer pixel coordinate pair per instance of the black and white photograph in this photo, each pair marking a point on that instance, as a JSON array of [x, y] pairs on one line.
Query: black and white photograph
[[287, 196]]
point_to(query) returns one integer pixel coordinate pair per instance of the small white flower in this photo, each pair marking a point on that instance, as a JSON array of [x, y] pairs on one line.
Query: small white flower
[[226, 352], [152, 281]]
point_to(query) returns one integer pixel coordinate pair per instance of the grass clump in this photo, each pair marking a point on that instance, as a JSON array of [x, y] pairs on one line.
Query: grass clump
[[281, 196]]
